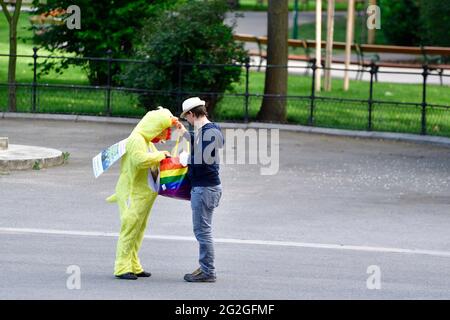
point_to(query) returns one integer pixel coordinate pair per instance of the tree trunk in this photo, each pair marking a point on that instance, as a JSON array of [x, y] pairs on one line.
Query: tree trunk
[[12, 21], [12, 106], [318, 43], [274, 108], [211, 103]]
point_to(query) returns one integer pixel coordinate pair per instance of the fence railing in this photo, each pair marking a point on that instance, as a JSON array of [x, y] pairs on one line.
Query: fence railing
[[313, 109]]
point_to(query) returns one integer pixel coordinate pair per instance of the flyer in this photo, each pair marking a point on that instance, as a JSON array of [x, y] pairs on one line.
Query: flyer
[[105, 159]]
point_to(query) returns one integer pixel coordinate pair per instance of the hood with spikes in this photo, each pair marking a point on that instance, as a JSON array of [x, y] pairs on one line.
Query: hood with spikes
[[153, 123]]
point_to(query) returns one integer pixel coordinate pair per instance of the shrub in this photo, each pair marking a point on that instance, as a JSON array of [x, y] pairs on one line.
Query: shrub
[[195, 33], [104, 25], [400, 21], [435, 19]]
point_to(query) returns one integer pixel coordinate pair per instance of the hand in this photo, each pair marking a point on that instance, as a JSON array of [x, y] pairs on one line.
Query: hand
[[181, 127], [178, 125]]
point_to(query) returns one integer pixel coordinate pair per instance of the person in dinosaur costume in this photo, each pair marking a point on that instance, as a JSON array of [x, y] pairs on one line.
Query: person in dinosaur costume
[[133, 195]]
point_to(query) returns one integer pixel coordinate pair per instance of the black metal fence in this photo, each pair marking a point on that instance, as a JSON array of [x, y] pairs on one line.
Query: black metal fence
[[312, 109]]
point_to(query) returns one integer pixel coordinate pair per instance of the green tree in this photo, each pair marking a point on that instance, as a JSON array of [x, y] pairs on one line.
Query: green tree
[[234, 4], [193, 33], [105, 25], [435, 20], [12, 22], [400, 21]]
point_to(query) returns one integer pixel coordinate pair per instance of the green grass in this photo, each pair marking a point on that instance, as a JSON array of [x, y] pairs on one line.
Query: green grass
[[346, 115], [350, 115], [24, 71], [301, 85]]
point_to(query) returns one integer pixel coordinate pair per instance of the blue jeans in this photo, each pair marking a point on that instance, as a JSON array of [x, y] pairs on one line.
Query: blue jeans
[[203, 202]]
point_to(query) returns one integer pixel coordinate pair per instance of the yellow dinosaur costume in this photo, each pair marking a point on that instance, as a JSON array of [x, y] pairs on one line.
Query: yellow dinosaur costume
[[133, 195]]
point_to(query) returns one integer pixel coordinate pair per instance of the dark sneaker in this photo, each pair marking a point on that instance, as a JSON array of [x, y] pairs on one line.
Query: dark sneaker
[[199, 276], [143, 274], [127, 276]]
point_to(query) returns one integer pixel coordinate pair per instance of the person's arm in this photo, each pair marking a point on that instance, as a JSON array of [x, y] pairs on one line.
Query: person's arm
[[188, 135], [140, 157]]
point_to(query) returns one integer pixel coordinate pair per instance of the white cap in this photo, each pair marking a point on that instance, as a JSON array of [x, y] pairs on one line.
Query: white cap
[[190, 104]]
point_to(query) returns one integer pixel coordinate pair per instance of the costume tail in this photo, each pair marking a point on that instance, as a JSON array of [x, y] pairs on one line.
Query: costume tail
[[112, 198]]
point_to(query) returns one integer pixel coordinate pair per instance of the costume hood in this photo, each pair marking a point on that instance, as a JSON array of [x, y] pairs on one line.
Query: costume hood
[[153, 123]]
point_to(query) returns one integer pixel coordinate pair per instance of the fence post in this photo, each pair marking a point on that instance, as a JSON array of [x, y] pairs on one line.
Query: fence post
[[108, 88], [34, 85], [372, 74], [247, 95], [313, 92], [424, 100]]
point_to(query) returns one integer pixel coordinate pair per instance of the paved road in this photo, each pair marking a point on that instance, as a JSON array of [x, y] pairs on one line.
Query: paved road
[[255, 23], [336, 207]]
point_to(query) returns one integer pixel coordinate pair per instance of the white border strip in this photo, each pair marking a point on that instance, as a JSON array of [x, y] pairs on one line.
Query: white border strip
[[445, 254]]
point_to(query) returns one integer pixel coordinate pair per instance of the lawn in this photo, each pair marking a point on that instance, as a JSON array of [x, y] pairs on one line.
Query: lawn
[[348, 115], [24, 71], [386, 116]]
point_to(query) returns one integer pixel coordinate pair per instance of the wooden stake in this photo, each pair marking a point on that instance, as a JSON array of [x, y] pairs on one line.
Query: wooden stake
[[318, 42], [349, 41], [329, 49], [371, 33]]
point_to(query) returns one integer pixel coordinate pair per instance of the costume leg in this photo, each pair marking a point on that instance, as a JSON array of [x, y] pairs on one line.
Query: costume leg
[[128, 233], [143, 217]]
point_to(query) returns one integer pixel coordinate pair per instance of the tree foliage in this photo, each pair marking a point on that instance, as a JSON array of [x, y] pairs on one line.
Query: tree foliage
[[400, 21], [193, 33], [435, 20], [105, 25], [415, 22]]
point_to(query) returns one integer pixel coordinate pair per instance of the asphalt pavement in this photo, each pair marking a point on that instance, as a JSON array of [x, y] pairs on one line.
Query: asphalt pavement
[[337, 207]]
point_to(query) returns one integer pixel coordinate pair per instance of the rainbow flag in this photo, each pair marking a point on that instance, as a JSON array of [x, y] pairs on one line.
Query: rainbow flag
[[174, 182]]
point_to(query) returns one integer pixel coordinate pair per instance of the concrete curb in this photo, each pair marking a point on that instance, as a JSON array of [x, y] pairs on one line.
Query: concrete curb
[[415, 138], [20, 157], [66, 117]]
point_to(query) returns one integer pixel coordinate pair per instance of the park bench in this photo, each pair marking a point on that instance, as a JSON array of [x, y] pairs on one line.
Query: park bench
[[436, 58], [308, 46]]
